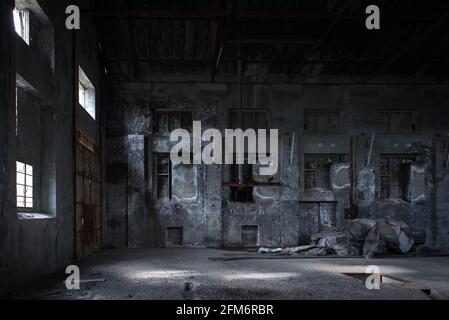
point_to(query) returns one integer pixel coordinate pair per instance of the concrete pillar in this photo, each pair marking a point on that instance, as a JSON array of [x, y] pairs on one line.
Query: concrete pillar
[[212, 206], [137, 215], [7, 85]]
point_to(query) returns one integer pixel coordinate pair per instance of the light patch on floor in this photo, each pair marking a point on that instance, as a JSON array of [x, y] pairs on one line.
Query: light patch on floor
[[260, 276], [159, 274], [190, 274]]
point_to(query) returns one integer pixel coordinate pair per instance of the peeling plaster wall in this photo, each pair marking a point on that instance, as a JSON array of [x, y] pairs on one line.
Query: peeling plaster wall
[[141, 219], [30, 248], [280, 211], [7, 224]]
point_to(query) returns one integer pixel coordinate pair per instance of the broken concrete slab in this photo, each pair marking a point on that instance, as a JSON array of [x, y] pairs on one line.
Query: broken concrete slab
[[370, 237], [356, 231], [388, 236]]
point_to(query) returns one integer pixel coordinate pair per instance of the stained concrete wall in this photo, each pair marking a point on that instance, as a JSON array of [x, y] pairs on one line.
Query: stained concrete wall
[[31, 247], [280, 211]]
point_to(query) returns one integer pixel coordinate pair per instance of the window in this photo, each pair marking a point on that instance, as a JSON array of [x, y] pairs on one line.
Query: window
[[36, 151], [252, 119], [86, 93], [396, 122], [82, 92], [24, 181], [163, 171], [317, 216], [22, 24], [32, 24], [176, 182], [322, 121], [242, 191], [393, 176], [316, 170], [169, 120]]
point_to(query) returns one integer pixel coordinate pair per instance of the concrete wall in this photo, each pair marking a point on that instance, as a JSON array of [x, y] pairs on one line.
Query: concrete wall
[[36, 245], [283, 213]]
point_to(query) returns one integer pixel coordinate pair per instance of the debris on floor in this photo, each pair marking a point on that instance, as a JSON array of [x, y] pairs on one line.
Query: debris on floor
[[298, 249], [268, 250], [358, 237], [388, 236]]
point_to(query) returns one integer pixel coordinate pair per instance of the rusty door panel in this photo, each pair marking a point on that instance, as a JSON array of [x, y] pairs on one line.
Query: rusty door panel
[[88, 197]]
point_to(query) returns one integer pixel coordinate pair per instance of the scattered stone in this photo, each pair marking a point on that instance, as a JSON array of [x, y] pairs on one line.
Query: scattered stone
[[299, 249], [268, 250], [340, 250], [388, 236], [374, 245], [356, 232], [319, 251], [331, 239], [359, 236]]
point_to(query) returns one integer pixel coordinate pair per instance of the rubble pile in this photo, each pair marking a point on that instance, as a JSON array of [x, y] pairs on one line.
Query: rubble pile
[[365, 237]]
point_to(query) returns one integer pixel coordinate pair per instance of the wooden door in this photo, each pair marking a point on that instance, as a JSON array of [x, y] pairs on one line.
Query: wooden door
[[88, 197]]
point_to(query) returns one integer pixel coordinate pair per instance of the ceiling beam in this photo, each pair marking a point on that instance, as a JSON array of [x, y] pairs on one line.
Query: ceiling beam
[[342, 80], [132, 46], [299, 65], [104, 62], [220, 39], [413, 45], [306, 15], [166, 62], [300, 41], [244, 60]]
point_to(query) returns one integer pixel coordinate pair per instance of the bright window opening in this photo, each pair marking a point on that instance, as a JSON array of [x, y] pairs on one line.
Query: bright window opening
[[24, 176], [86, 93], [22, 24], [82, 95]]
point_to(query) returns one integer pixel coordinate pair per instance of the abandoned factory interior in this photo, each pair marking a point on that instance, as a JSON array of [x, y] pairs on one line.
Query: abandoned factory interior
[[224, 149]]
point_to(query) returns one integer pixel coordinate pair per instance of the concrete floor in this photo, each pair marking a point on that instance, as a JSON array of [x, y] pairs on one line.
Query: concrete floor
[[192, 274]]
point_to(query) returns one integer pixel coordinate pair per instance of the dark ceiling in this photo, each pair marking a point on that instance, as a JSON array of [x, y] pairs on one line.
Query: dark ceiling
[[293, 38]]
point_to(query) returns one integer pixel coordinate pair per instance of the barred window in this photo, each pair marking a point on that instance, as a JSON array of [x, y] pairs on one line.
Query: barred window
[[24, 181], [322, 121], [317, 167], [396, 122]]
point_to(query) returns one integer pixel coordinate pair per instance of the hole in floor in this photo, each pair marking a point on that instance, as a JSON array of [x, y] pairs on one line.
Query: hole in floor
[[384, 278], [432, 295]]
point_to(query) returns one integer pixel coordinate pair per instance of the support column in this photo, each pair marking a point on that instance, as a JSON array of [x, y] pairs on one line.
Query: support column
[[212, 206], [136, 211]]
